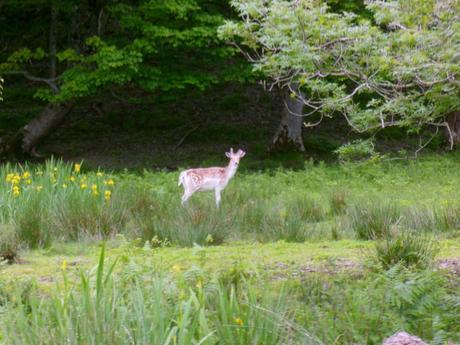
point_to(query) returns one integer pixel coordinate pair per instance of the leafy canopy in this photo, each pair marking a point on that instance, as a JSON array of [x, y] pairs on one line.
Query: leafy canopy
[[401, 68], [152, 45]]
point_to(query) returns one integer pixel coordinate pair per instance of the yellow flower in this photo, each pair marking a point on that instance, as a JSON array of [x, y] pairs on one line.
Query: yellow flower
[[107, 195], [64, 265], [238, 321], [176, 268], [16, 191], [26, 174], [99, 174], [29, 181], [64, 185], [199, 285], [55, 169], [83, 186], [109, 182], [15, 179], [77, 167], [94, 186], [9, 177], [95, 192], [72, 178], [39, 188]]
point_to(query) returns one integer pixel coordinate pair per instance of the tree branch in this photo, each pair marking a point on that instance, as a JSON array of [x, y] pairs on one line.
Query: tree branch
[[50, 81]]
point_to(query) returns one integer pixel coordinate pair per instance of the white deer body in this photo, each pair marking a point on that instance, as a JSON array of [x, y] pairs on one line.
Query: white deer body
[[207, 179]]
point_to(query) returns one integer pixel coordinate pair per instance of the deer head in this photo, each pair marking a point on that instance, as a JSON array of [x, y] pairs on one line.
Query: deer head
[[235, 157]]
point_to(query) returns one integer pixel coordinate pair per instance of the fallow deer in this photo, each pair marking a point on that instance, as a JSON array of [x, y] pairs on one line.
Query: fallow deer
[[208, 179]]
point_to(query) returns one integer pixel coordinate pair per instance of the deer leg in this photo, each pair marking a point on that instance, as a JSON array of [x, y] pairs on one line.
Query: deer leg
[[217, 195], [187, 194]]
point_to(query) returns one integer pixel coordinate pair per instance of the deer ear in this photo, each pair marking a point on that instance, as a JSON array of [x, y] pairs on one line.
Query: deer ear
[[231, 150], [228, 154]]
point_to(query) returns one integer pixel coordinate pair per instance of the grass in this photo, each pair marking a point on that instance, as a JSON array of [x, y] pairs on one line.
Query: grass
[[407, 249], [279, 259], [282, 260], [184, 296], [54, 202]]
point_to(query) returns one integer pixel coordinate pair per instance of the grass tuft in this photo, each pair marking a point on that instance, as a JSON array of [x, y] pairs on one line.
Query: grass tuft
[[407, 248], [373, 220]]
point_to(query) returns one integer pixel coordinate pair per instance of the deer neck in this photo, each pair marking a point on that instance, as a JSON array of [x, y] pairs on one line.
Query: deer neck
[[230, 170]]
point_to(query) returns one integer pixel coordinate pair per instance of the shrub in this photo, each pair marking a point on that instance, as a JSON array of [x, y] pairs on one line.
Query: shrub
[[357, 150], [9, 243]]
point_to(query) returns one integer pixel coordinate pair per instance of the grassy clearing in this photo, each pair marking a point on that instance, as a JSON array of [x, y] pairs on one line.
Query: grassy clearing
[[223, 295], [56, 202], [278, 260], [284, 260]]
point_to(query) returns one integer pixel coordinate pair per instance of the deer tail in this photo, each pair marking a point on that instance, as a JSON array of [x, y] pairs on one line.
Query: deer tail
[[181, 178]]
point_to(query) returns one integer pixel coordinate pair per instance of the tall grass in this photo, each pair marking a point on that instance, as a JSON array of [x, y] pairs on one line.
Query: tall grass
[[373, 220], [138, 305], [105, 310], [60, 202]]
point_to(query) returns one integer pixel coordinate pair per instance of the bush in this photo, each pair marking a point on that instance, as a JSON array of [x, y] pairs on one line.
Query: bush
[[9, 243], [357, 150], [407, 248]]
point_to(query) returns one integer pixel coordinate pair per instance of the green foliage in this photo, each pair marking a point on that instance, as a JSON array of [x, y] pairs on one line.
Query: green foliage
[[161, 311], [9, 243], [154, 46], [370, 309], [156, 306], [399, 72], [53, 202], [373, 220], [356, 151], [338, 201], [407, 249]]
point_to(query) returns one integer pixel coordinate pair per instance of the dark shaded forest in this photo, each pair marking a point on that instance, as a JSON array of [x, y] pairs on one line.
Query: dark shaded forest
[[151, 83]]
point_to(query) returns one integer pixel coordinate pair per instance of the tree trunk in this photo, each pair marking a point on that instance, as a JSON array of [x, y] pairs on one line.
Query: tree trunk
[[453, 132], [24, 141], [288, 137]]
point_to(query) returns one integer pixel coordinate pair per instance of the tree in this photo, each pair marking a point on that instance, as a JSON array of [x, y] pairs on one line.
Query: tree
[[106, 47], [289, 134], [401, 69]]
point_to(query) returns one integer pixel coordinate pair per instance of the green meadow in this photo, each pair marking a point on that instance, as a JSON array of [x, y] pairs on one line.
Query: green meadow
[[324, 254]]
